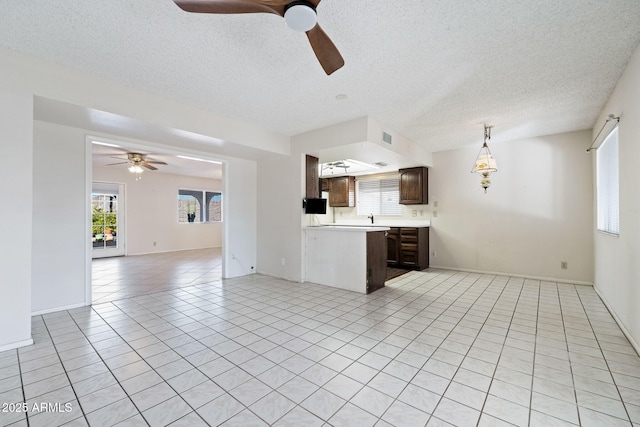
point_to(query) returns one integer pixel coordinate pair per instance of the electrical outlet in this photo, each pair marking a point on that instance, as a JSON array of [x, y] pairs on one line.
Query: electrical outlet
[[282, 261], [435, 214], [414, 213], [154, 243], [564, 265], [435, 203], [433, 254]]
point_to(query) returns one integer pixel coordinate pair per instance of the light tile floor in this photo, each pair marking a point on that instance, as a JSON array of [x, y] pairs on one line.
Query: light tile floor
[[122, 277], [433, 348]]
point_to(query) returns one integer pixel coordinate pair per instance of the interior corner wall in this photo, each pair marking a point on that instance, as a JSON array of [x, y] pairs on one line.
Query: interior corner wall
[[537, 213], [280, 230], [617, 270], [240, 212], [152, 215], [16, 193]]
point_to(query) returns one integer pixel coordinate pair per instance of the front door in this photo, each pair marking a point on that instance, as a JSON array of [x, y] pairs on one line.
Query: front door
[[107, 220]]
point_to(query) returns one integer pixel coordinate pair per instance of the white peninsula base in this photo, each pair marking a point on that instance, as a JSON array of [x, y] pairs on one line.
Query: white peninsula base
[[351, 258]]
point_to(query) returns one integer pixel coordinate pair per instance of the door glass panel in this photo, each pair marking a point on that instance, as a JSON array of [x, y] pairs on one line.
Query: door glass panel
[[104, 221]]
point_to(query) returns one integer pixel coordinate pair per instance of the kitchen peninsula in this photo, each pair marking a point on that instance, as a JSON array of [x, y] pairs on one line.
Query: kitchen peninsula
[[351, 258]]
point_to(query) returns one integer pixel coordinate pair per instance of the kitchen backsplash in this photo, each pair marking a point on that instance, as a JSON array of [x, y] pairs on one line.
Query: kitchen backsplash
[[409, 213]]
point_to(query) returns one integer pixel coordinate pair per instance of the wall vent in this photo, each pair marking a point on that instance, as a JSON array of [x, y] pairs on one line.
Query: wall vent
[[386, 138]]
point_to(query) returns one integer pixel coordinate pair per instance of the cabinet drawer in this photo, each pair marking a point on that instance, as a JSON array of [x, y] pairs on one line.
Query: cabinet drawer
[[410, 247], [409, 231], [408, 239], [409, 258]]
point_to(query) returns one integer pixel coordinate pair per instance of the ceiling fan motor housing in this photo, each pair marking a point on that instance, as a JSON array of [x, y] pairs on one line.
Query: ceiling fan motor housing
[[136, 157], [300, 15]]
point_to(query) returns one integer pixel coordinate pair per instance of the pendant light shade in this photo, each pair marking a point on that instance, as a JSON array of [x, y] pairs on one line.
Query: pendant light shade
[[485, 164]]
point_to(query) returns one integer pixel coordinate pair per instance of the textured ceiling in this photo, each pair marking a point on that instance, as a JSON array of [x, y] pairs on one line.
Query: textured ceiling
[[434, 71]]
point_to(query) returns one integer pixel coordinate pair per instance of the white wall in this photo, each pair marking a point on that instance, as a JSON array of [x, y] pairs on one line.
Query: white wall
[[280, 234], [16, 195], [537, 213], [59, 218], [152, 214], [240, 211], [617, 270]]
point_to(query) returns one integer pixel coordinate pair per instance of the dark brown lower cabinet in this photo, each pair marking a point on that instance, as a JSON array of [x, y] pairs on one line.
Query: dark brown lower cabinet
[[393, 246], [408, 247], [376, 260]]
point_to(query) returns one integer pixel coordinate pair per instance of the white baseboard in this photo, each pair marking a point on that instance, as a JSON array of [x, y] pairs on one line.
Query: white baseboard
[[53, 310], [625, 331], [15, 345], [523, 276]]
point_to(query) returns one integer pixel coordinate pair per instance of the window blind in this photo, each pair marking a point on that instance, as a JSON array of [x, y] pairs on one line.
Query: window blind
[[378, 197], [607, 177]]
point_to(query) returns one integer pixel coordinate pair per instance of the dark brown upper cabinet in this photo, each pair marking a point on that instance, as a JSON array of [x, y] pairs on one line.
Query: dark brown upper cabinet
[[342, 192], [414, 186], [324, 184], [313, 180]]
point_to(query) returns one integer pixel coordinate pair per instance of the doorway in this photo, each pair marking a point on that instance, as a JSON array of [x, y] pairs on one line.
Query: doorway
[[107, 220]]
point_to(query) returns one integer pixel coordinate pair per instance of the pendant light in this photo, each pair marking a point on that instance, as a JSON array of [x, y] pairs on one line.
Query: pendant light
[[485, 163]]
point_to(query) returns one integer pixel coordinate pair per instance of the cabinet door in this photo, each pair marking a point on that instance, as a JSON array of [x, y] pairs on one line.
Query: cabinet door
[[342, 192], [376, 267], [393, 247], [413, 186], [313, 183]]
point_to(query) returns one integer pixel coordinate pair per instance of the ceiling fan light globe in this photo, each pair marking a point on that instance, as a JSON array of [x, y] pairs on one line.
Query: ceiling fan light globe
[[300, 17]]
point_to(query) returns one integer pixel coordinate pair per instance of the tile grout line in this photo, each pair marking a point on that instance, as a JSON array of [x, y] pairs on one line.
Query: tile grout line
[[604, 357], [451, 331], [66, 373]]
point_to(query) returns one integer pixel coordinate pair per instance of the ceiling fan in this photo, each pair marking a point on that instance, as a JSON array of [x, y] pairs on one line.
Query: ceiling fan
[[338, 164], [299, 15], [137, 162]]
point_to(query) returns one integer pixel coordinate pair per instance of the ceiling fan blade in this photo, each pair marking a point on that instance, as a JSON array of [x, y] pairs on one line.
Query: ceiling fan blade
[[119, 163], [156, 163], [148, 166], [326, 52], [227, 6]]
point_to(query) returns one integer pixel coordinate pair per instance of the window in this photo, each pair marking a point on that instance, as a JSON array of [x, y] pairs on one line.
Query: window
[[191, 202], [378, 196], [607, 176]]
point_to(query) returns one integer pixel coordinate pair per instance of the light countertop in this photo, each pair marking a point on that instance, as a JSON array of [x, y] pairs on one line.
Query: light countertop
[[361, 228], [381, 223]]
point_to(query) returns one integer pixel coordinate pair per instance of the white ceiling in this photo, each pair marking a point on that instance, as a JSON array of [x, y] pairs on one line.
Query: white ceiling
[[432, 70], [116, 157]]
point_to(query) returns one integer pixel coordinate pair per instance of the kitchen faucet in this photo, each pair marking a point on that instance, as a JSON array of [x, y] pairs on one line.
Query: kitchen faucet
[[371, 218]]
